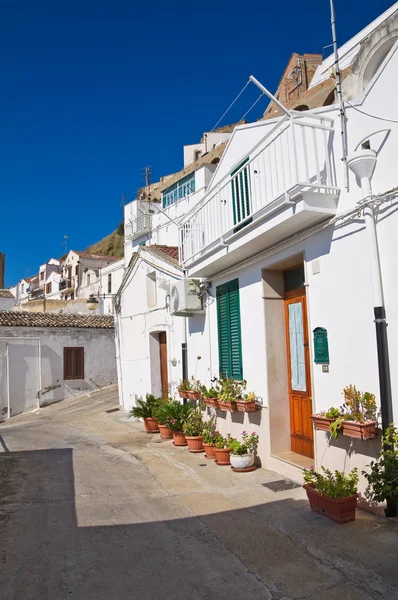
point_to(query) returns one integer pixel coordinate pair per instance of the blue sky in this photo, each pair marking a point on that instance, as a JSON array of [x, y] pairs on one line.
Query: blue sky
[[93, 91]]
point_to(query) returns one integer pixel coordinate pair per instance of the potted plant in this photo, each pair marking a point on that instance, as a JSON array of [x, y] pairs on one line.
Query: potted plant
[[356, 418], [383, 477], [194, 392], [176, 415], [242, 453], [222, 450], [332, 494], [210, 395], [193, 429], [229, 392], [160, 415], [184, 388], [323, 420], [247, 403], [144, 410], [209, 436]]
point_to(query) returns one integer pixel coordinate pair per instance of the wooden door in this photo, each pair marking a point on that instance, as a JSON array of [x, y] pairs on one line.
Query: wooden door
[[300, 404], [164, 377]]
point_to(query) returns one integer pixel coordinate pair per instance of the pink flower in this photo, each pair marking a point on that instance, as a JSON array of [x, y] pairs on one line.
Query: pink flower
[[312, 467], [244, 432]]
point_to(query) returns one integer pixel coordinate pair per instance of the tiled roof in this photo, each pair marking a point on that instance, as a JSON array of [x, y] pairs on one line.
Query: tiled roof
[[6, 294], [10, 318], [85, 254], [168, 253]]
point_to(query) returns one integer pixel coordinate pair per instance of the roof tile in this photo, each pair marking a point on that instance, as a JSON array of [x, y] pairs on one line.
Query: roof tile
[[10, 318]]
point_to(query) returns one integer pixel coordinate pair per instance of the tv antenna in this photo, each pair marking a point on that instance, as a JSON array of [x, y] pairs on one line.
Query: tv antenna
[[65, 244]]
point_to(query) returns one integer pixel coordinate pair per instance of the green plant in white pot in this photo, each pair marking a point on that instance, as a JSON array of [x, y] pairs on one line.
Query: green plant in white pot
[[243, 453]]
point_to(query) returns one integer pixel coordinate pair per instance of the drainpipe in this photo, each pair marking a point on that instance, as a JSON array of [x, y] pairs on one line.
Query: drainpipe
[[363, 162]]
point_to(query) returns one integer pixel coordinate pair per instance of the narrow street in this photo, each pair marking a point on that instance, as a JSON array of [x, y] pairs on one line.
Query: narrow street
[[92, 507]]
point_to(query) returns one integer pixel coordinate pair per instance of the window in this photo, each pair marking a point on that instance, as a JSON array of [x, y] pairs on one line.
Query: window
[[197, 155], [229, 331], [179, 190], [88, 278], [151, 289], [109, 283], [73, 363], [42, 276], [77, 270], [22, 289], [48, 288], [241, 193]]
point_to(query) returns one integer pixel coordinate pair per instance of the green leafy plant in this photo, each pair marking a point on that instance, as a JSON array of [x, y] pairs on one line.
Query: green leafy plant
[[144, 409], [222, 442], [333, 485], [332, 413], [159, 412], [248, 444], [196, 386], [184, 386], [383, 477], [230, 390], [176, 414], [209, 431], [193, 425], [211, 392], [250, 397]]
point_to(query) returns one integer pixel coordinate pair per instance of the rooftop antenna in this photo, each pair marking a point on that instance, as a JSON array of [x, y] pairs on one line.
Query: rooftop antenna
[[337, 76], [65, 244]]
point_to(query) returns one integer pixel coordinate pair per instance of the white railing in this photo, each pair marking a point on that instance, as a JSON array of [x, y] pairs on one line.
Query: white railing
[[295, 156]]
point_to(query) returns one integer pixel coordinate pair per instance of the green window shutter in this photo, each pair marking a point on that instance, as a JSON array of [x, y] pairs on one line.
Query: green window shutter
[[229, 330], [241, 194]]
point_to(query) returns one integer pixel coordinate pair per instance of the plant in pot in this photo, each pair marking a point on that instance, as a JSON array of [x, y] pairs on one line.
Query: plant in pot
[[323, 420], [193, 429], [243, 453], [332, 494], [230, 390], [184, 388], [176, 415], [210, 395], [160, 415], [222, 450], [383, 476], [195, 390], [209, 436], [247, 403], [144, 409]]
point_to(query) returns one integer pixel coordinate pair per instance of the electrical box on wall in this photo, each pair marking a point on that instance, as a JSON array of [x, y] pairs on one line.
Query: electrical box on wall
[[186, 298], [321, 346]]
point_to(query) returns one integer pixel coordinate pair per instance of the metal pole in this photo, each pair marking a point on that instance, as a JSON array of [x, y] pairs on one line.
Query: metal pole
[[343, 121], [8, 379], [270, 96]]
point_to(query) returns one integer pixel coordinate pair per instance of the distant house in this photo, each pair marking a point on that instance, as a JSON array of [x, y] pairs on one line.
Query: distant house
[[110, 279], [7, 300], [48, 357], [80, 274]]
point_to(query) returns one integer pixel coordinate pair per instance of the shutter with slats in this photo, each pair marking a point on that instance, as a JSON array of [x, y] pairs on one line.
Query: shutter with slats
[[79, 363], [74, 363], [229, 330], [68, 363]]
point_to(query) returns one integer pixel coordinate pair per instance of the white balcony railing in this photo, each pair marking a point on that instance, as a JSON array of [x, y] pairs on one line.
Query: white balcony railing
[[296, 156]]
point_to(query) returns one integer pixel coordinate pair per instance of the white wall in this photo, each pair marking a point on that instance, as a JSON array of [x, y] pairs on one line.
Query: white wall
[[99, 364], [116, 271]]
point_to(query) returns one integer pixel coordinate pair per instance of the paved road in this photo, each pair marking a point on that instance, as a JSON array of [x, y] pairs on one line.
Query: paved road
[[94, 508]]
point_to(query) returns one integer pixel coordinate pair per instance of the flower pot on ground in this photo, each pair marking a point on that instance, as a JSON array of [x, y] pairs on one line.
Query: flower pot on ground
[[243, 452], [209, 450], [145, 410], [333, 495], [210, 435], [165, 432], [222, 450], [193, 429], [160, 415], [179, 438], [173, 415], [383, 477]]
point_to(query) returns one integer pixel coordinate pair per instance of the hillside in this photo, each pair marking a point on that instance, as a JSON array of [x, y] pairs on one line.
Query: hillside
[[111, 245]]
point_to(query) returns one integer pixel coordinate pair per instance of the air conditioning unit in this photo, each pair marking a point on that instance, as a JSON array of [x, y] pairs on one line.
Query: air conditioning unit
[[185, 298]]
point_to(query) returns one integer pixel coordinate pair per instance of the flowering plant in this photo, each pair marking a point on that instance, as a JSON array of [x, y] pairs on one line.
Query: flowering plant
[[193, 425], [176, 414], [248, 445], [222, 442], [184, 386], [209, 431], [195, 385], [211, 392]]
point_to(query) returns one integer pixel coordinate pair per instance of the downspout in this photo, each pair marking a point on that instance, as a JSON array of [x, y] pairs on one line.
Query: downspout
[[363, 162], [8, 380]]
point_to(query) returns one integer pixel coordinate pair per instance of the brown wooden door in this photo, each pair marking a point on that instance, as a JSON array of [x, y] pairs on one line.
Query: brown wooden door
[[301, 432], [163, 364]]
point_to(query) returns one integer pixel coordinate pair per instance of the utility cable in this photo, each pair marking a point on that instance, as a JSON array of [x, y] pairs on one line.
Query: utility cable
[[231, 105], [252, 106], [369, 115]]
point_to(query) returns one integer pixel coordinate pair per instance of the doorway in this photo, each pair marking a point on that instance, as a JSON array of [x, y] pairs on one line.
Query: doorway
[[298, 364], [164, 377]]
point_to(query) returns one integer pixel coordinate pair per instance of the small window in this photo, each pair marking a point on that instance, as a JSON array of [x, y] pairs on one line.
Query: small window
[[42, 276], [151, 289], [88, 278], [73, 363], [48, 288], [77, 270], [22, 289], [109, 283], [197, 155]]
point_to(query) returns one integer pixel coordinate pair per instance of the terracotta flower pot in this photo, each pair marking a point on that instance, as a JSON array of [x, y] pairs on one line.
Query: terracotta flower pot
[[183, 394], [244, 461], [209, 449], [194, 395], [227, 406], [179, 438], [195, 443], [165, 432], [151, 425], [362, 431], [341, 510], [248, 407], [321, 423], [211, 402], [222, 456]]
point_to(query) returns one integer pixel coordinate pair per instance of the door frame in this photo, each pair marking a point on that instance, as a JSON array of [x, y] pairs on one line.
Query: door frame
[[164, 365]]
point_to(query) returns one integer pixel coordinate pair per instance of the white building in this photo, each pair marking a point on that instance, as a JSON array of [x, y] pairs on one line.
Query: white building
[[280, 239], [47, 357], [7, 300], [80, 272], [110, 279], [210, 140]]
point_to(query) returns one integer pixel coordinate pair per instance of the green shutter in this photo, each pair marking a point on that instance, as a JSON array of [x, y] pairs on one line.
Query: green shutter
[[241, 194], [229, 330]]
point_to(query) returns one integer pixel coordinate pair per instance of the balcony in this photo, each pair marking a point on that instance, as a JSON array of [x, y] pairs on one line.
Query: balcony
[[138, 219], [285, 185]]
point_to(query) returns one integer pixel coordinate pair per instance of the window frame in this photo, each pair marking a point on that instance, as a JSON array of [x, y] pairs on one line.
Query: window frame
[[234, 349], [73, 376], [109, 283]]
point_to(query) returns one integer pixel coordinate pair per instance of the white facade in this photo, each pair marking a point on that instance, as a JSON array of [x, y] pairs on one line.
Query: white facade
[[81, 274], [209, 141], [142, 318], [110, 279], [293, 208]]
